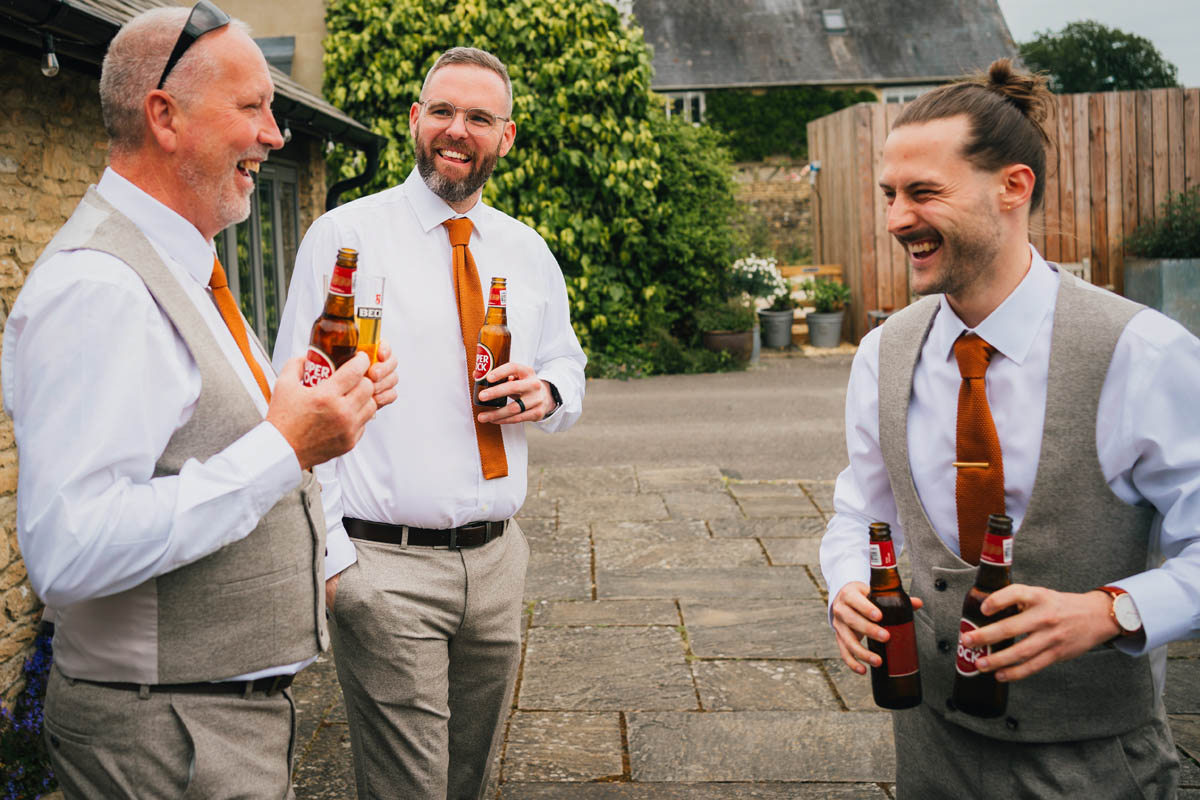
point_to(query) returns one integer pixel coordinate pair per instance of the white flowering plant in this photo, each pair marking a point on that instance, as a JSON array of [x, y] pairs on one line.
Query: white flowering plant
[[759, 277]]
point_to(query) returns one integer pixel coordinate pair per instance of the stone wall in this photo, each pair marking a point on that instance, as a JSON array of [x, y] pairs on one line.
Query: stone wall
[[775, 196], [52, 146]]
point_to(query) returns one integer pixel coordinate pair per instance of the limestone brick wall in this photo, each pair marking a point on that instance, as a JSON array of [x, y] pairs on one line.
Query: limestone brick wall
[[775, 195], [52, 146]]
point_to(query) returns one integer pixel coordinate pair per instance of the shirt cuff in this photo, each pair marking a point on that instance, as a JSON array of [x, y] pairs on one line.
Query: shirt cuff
[[1159, 603], [339, 551]]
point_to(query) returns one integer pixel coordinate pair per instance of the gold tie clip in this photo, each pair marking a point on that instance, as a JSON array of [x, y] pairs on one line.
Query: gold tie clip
[[979, 464]]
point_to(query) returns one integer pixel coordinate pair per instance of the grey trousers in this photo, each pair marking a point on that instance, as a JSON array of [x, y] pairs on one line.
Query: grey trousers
[[427, 644], [936, 759], [119, 744]]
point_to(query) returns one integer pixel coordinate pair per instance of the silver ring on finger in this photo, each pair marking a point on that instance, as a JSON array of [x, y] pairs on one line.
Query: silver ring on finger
[[520, 403]]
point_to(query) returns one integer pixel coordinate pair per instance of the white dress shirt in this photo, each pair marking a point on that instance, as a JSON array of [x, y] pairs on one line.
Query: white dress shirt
[[418, 462], [97, 381], [1147, 435]]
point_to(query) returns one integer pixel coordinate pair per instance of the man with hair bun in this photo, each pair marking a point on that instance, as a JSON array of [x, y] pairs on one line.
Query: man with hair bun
[[1089, 399]]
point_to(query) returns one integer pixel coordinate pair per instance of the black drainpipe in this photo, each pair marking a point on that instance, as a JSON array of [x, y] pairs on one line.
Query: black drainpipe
[[371, 149]]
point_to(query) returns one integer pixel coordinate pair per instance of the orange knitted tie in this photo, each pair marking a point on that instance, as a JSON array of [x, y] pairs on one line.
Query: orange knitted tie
[[233, 320], [979, 486], [470, 317]]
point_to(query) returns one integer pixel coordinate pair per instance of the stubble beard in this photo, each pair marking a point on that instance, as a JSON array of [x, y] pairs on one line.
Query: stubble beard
[[968, 256], [450, 189], [230, 204]]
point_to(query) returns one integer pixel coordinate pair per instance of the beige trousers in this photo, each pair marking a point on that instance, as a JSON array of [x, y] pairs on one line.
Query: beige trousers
[[427, 644], [119, 744]]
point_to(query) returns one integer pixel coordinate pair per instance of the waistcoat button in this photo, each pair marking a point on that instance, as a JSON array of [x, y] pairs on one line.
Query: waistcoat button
[[940, 584], [943, 646], [1011, 723]]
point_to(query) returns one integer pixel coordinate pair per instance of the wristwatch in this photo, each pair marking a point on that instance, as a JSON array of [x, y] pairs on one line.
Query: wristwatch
[[1123, 611], [555, 396]]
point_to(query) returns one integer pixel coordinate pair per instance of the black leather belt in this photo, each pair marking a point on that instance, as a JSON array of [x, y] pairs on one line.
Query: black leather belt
[[272, 684], [472, 534]]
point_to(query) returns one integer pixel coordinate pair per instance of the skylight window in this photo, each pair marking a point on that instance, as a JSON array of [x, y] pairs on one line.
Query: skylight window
[[834, 19]]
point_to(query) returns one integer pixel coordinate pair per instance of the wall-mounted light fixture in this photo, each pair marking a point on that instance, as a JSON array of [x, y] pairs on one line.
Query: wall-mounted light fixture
[[286, 133], [49, 59]]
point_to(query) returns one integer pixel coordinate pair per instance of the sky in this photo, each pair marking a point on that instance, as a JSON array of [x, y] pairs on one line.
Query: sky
[[1172, 25]]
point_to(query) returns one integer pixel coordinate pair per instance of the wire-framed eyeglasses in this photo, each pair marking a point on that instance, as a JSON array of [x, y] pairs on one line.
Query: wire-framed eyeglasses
[[205, 17], [478, 119]]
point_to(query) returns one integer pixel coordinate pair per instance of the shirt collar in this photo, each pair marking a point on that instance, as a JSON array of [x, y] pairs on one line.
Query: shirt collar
[[171, 234], [432, 210], [1013, 326]]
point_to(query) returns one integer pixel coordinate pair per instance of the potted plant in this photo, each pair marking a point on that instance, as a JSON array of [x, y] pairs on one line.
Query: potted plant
[[829, 299], [758, 278], [1166, 271], [728, 327]]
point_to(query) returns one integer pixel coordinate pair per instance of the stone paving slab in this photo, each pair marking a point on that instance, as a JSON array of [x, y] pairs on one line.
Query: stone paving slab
[[790, 528], [540, 528], [771, 507], [328, 772], [563, 746], [560, 566], [692, 791], [737, 582], [315, 691], [1189, 773], [702, 505], [669, 530], [766, 489], [576, 482], [854, 689], [786, 628], [605, 669], [761, 745], [631, 554], [1188, 648], [821, 492], [1186, 730], [1182, 692], [606, 612], [763, 686], [786, 552], [612, 508], [538, 508], [666, 479]]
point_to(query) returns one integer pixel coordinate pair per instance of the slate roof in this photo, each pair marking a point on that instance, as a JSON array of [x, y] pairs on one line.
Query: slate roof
[[709, 44]]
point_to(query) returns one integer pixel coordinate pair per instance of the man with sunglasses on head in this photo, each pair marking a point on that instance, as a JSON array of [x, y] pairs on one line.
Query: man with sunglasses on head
[[166, 507], [426, 590]]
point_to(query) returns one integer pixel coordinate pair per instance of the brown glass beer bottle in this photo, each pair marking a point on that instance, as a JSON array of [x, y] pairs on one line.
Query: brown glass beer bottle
[[979, 693], [896, 683], [494, 342], [334, 335]]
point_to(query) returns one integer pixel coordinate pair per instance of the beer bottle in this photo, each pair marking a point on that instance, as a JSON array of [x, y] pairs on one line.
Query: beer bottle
[[334, 335], [979, 693], [896, 683], [494, 342]]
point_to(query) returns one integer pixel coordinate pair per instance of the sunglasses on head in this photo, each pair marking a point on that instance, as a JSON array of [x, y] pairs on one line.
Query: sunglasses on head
[[205, 17]]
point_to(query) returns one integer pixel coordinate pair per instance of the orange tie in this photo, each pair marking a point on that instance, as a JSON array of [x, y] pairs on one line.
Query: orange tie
[[979, 486], [233, 320], [470, 318]]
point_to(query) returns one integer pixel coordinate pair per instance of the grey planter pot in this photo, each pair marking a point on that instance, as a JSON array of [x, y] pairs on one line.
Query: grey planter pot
[[776, 328], [825, 330], [1171, 285]]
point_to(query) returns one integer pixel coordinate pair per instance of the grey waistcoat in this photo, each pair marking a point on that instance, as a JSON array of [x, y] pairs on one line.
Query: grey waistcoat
[[1076, 535], [254, 604]]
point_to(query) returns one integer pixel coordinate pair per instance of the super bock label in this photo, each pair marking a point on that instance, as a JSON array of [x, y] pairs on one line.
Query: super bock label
[[883, 555], [498, 297], [317, 367], [967, 656], [997, 550], [483, 362]]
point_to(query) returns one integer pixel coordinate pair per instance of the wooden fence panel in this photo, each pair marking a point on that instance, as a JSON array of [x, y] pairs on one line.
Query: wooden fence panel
[[1116, 157]]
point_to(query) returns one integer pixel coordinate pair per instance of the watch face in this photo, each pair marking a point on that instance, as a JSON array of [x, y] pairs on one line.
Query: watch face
[[1126, 613]]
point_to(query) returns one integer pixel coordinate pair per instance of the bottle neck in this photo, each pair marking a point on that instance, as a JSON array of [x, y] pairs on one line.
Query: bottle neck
[[884, 575], [497, 311], [340, 300], [995, 562]]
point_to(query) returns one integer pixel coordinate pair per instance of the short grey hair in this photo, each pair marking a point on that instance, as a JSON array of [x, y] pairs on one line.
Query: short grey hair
[[134, 63], [474, 57]]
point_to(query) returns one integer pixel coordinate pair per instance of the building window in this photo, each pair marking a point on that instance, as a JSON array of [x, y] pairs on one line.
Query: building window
[[834, 20], [688, 105], [903, 94], [258, 254]]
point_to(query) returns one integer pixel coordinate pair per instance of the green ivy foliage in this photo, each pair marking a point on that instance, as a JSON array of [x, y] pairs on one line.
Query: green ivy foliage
[[774, 122], [633, 207]]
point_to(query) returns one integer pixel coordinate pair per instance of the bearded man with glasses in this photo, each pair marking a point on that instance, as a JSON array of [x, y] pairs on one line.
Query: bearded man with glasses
[[427, 572], [166, 508]]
